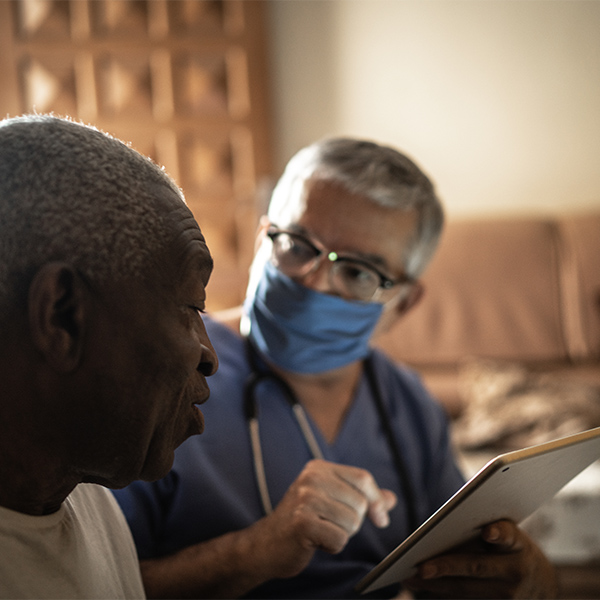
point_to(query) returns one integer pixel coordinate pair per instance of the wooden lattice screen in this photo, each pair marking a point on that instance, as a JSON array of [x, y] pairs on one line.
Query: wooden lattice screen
[[183, 80]]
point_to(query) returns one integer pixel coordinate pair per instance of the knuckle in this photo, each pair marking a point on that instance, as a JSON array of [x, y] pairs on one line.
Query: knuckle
[[305, 495], [309, 477], [518, 572], [364, 479], [314, 465], [354, 523], [301, 520], [477, 569], [355, 527], [362, 506]]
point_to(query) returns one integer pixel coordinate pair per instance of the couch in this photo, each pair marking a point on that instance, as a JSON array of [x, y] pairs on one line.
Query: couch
[[523, 290], [507, 337]]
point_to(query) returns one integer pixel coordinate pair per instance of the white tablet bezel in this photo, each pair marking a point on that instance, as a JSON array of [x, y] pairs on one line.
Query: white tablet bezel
[[511, 486]]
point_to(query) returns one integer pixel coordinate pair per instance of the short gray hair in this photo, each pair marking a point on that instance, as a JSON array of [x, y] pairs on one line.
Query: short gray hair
[[382, 174], [70, 192]]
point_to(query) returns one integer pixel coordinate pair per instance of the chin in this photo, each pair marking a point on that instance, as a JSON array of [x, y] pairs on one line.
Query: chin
[[152, 469], [157, 469], [108, 482]]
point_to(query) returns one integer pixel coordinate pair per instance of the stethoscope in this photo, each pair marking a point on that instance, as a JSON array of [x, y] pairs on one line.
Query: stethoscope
[[261, 374]]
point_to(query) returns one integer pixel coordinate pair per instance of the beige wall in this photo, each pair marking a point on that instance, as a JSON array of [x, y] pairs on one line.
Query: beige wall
[[499, 100]]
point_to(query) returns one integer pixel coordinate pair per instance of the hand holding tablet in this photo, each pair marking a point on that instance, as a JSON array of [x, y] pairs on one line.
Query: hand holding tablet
[[511, 486]]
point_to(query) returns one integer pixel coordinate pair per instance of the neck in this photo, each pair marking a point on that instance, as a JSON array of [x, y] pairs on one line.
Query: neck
[[32, 485], [35, 475], [326, 397]]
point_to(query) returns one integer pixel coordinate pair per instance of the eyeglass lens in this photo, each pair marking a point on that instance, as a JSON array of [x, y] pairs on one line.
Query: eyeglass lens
[[296, 257]]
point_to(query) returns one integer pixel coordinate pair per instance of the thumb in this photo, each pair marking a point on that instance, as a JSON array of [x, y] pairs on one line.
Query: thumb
[[504, 534], [379, 509]]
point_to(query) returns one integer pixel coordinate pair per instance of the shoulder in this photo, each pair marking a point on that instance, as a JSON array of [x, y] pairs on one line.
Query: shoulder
[[230, 317], [408, 394], [91, 494], [220, 326], [390, 371], [91, 502], [423, 426], [225, 338]]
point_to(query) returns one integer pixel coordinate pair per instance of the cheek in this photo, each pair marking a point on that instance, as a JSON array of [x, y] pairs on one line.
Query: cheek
[[388, 319], [161, 368], [171, 371]]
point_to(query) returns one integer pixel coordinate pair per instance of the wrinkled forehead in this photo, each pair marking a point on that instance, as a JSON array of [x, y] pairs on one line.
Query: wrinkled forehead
[[186, 244], [170, 204]]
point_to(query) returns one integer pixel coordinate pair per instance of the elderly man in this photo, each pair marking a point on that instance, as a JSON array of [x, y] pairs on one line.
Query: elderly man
[[103, 352], [327, 441]]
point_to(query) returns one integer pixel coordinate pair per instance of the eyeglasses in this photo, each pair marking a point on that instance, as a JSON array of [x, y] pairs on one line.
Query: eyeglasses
[[297, 256]]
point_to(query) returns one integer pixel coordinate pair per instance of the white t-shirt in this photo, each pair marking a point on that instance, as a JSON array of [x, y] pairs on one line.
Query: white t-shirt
[[84, 550]]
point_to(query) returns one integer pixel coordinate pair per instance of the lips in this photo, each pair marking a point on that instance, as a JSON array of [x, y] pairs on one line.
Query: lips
[[198, 416], [199, 421], [203, 398]]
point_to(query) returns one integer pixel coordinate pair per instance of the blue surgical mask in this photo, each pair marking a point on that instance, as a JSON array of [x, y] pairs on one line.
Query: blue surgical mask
[[304, 331]]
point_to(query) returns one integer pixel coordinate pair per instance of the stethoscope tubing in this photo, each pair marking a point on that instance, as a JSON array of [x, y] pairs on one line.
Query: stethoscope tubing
[[251, 409], [251, 412]]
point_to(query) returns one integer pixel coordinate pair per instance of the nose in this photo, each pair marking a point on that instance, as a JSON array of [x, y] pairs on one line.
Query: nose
[[319, 278], [209, 362]]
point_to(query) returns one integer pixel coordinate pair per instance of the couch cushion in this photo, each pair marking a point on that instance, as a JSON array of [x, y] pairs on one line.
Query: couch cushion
[[492, 290], [508, 406], [580, 248]]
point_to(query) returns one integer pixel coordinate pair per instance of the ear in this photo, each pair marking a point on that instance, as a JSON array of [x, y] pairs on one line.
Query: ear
[[412, 297], [397, 308], [261, 231], [57, 313]]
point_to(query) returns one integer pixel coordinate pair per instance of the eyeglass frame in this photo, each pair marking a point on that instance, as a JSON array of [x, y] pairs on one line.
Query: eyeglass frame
[[322, 252]]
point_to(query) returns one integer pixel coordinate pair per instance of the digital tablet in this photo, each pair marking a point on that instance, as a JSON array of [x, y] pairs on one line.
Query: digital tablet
[[511, 486]]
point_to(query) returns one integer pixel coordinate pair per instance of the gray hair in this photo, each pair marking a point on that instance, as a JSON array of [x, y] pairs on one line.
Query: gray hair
[[70, 192], [380, 173]]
